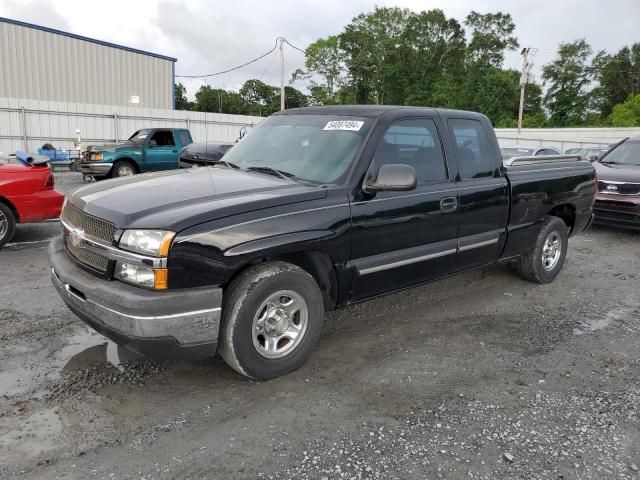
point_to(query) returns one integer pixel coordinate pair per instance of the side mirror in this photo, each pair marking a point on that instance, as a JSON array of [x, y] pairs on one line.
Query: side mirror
[[593, 158], [393, 178]]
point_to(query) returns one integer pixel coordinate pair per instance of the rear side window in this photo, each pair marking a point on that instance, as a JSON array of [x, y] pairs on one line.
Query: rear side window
[[162, 138], [413, 142], [185, 137], [475, 159]]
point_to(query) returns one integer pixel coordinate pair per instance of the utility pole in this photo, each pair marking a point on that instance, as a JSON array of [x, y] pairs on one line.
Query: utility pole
[[281, 74], [524, 77]]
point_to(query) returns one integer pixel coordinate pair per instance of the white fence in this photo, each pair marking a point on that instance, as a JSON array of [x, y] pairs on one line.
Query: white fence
[[28, 124], [564, 138]]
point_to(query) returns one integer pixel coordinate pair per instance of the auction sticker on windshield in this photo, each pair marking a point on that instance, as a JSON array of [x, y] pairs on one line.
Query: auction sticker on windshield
[[351, 125]]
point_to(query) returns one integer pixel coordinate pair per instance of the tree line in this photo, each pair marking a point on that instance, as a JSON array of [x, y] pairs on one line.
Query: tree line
[[395, 56]]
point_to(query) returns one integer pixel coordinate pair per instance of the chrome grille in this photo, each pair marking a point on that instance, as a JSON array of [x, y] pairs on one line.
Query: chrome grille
[[619, 188], [88, 257], [90, 225]]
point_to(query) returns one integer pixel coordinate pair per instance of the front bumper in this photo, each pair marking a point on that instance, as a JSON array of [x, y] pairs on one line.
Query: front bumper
[[38, 206], [162, 325], [617, 211], [99, 169]]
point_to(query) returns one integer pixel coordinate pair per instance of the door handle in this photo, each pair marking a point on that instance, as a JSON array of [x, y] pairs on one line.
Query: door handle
[[448, 204]]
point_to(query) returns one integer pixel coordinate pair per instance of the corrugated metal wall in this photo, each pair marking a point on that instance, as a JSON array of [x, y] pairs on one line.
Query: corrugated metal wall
[[38, 122], [42, 65]]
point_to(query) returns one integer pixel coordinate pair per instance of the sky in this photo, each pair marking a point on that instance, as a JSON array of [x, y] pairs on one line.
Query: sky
[[210, 36]]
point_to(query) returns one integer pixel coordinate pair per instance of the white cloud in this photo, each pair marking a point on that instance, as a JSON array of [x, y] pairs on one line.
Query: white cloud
[[212, 36]]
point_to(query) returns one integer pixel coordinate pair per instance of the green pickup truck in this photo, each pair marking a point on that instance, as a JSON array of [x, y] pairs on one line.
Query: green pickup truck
[[147, 150]]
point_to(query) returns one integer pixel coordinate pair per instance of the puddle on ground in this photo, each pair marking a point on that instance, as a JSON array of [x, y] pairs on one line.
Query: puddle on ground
[[98, 355], [596, 324]]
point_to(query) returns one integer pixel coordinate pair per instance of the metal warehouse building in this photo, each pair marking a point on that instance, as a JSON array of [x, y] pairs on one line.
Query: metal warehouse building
[[39, 63]]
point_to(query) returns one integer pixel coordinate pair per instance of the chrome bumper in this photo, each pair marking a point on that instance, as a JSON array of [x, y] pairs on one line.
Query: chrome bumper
[[96, 168], [170, 324]]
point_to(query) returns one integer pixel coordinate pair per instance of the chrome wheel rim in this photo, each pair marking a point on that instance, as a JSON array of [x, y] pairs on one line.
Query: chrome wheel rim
[[551, 251], [279, 324], [125, 171], [4, 225]]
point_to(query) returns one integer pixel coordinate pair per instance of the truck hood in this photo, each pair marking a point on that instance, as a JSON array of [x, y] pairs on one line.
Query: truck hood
[[110, 146], [178, 199], [618, 173]]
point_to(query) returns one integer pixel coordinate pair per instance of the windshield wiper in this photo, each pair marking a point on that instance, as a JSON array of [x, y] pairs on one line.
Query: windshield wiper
[[223, 162], [273, 171], [610, 162]]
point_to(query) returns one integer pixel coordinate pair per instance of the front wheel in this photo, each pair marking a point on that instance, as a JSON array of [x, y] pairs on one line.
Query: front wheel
[[123, 169], [544, 262], [271, 320], [7, 224]]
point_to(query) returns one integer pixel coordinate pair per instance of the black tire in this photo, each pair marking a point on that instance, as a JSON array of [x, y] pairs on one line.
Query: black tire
[[120, 167], [245, 296], [532, 267], [7, 224]]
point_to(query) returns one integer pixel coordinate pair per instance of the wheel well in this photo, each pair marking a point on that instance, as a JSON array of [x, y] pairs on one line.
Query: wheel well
[[11, 207], [567, 213], [129, 160], [315, 263]]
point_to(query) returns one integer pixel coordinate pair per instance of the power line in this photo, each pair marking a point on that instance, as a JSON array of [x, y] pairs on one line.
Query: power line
[[234, 68], [293, 46]]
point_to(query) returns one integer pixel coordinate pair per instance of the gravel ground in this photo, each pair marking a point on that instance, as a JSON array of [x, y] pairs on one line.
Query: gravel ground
[[515, 381]]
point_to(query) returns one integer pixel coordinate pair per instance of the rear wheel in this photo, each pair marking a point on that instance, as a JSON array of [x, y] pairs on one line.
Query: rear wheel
[[7, 224], [271, 320], [123, 168], [545, 261]]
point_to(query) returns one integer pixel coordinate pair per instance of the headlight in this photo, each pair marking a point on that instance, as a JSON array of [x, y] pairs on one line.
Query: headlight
[[97, 157], [142, 275], [149, 242]]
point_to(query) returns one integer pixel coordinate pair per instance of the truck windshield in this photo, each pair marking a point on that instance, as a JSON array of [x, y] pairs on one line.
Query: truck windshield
[[140, 136], [314, 148], [627, 153]]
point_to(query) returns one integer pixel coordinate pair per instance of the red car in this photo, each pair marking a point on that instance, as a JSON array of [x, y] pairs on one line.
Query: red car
[[26, 195]]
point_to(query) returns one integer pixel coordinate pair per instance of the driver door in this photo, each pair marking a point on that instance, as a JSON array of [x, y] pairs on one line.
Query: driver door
[[161, 152], [406, 238]]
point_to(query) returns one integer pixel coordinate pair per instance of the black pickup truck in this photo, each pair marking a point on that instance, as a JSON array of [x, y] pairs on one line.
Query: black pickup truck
[[314, 209]]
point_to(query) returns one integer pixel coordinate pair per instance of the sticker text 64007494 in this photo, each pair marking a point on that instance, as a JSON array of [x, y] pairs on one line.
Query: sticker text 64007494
[[352, 125]]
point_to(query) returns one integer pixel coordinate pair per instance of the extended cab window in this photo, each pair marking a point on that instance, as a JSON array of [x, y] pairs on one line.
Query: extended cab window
[[185, 137], [162, 138], [475, 159], [413, 142]]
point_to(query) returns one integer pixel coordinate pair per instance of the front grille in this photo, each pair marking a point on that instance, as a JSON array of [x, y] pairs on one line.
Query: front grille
[[93, 260], [93, 226], [613, 205], [619, 188]]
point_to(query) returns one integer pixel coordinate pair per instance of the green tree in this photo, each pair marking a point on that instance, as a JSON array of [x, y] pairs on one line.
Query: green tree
[[181, 102], [627, 114], [324, 69], [567, 79], [259, 98], [293, 98], [433, 54], [371, 44], [618, 76], [219, 101], [491, 35]]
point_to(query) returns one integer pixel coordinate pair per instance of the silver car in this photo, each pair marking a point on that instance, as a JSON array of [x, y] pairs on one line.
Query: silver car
[[526, 151]]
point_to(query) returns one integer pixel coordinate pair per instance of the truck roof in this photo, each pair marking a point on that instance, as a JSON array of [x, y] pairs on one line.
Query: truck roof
[[372, 111]]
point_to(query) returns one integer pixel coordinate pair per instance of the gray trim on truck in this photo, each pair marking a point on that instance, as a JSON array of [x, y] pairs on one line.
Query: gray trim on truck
[[170, 324]]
